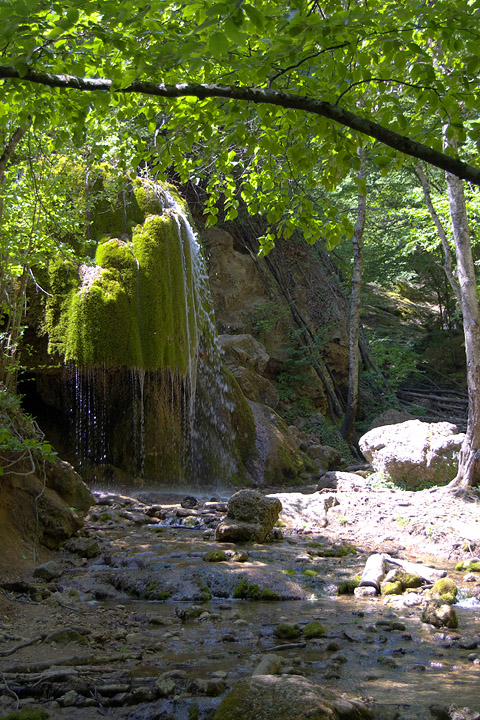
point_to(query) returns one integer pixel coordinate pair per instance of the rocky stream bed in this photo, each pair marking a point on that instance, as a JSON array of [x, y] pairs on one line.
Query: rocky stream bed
[[145, 616]]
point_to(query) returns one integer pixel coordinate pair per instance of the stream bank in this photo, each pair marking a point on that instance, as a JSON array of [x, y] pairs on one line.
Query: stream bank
[[130, 621]]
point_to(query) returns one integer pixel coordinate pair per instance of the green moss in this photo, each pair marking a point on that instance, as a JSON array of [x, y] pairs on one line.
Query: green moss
[[410, 580], [347, 587], [251, 591], [215, 556], [129, 309], [286, 631], [314, 629], [310, 573], [392, 588], [445, 590], [468, 565]]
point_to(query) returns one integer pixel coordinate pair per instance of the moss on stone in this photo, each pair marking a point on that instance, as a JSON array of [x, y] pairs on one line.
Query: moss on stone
[[136, 306], [468, 565], [251, 591], [392, 588], [445, 590], [215, 556], [286, 631], [314, 629], [347, 587]]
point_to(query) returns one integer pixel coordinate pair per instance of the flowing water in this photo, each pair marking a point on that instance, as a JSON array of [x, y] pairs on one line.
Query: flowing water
[[159, 425]]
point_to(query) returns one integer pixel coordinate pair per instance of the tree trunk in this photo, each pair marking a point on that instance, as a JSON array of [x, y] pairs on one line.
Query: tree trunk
[[441, 234], [348, 426], [468, 473]]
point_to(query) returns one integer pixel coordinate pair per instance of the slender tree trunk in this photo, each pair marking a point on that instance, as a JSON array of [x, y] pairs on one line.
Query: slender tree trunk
[[447, 266], [468, 473], [348, 426]]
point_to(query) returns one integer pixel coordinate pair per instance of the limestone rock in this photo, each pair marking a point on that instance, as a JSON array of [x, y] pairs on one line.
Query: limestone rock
[[414, 452], [272, 697], [250, 517], [308, 512], [68, 484], [279, 459], [83, 546], [440, 614], [255, 387], [325, 456], [244, 350], [391, 417], [48, 571], [339, 480]]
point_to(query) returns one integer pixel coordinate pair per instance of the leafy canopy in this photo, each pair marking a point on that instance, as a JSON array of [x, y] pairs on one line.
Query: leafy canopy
[[410, 67]]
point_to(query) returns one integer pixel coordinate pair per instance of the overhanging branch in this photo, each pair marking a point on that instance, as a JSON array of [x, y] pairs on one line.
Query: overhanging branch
[[266, 96]]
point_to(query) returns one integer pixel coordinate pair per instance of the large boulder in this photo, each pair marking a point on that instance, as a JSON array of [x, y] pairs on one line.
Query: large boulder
[[414, 453], [271, 697], [250, 517]]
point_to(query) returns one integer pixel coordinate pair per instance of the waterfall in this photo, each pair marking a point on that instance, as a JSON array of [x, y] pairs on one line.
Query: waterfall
[[154, 404]]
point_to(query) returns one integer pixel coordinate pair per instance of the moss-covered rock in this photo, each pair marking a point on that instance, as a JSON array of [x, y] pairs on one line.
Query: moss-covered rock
[[445, 590], [472, 565], [347, 587], [137, 306], [287, 631], [215, 556], [391, 588], [314, 629]]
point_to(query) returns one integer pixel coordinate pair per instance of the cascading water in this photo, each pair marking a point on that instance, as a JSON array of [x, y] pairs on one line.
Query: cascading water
[[163, 413]]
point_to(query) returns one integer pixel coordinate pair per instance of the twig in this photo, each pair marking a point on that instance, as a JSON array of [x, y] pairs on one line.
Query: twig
[[286, 646], [27, 643], [10, 692]]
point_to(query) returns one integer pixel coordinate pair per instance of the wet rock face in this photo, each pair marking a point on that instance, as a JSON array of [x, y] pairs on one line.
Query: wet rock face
[[414, 452], [250, 517]]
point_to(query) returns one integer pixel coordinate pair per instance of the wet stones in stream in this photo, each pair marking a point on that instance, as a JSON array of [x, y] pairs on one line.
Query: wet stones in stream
[[151, 627]]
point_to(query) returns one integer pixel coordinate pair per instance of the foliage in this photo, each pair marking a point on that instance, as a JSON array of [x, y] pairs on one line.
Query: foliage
[[393, 60], [265, 316], [21, 442]]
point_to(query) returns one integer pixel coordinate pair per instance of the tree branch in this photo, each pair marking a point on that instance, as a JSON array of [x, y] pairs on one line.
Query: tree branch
[[259, 96]]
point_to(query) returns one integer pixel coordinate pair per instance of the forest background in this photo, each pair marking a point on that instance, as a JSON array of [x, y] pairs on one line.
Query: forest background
[[351, 119]]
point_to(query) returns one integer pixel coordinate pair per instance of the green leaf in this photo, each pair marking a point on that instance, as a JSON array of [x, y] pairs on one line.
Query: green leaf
[[254, 15], [219, 44]]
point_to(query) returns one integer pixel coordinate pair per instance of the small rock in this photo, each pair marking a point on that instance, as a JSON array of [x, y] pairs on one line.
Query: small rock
[[240, 556], [189, 501], [268, 665], [215, 556], [69, 699], [83, 546], [48, 571], [165, 686], [364, 592]]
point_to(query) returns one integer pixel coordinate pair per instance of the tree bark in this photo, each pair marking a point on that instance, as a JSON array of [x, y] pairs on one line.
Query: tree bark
[[348, 426], [260, 96], [447, 266], [468, 473]]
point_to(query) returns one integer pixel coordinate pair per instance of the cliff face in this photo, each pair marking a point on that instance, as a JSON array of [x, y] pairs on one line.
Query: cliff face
[[291, 301], [141, 390]]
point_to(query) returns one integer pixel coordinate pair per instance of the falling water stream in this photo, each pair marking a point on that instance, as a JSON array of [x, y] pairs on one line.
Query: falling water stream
[[188, 412]]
